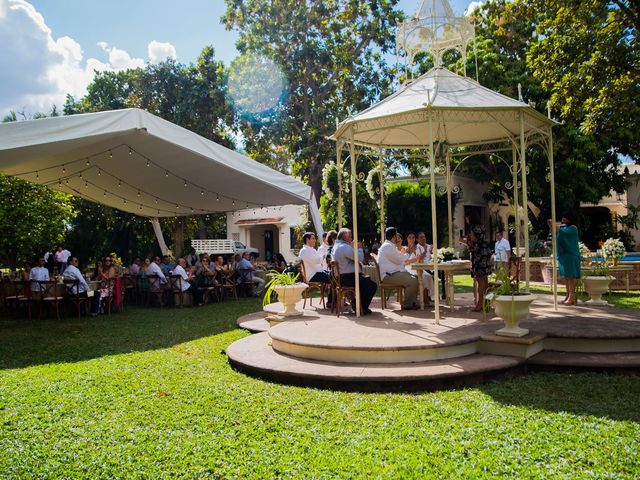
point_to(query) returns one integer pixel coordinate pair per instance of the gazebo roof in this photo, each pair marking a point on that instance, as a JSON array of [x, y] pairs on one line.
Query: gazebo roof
[[462, 112]]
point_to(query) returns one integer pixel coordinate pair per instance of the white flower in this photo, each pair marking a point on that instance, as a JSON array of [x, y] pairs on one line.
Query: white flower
[[584, 251], [613, 248], [445, 252]]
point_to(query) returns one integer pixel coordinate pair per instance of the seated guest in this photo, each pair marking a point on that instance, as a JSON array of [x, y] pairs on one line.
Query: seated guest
[[422, 241], [134, 269], [73, 273], [167, 265], [220, 265], [323, 249], [279, 263], [205, 273], [38, 273], [312, 259], [188, 283], [343, 255], [235, 261], [332, 235], [392, 265], [399, 242], [154, 269], [26, 271], [245, 271], [416, 250]]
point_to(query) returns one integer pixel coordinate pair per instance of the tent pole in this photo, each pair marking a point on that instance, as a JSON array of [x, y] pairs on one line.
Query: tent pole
[[382, 219], [157, 229], [516, 204], [339, 165], [449, 206], [354, 209], [525, 203], [434, 226], [552, 181]]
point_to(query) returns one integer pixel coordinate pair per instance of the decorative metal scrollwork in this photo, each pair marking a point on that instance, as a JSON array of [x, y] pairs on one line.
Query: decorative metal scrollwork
[[456, 189], [361, 177], [547, 177]]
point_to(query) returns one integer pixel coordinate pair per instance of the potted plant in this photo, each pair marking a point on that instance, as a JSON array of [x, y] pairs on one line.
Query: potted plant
[[511, 305], [288, 289], [613, 249], [597, 282]]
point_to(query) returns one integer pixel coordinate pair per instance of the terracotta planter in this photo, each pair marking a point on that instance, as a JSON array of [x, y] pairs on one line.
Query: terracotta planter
[[289, 296], [512, 309], [596, 287]]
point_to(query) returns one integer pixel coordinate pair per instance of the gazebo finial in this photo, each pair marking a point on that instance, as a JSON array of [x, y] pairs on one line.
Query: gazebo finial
[[436, 29]]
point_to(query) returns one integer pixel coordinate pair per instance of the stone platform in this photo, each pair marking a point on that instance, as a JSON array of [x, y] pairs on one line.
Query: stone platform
[[395, 349]]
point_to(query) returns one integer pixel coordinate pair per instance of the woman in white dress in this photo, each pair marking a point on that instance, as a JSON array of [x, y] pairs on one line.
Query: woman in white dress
[[414, 249]]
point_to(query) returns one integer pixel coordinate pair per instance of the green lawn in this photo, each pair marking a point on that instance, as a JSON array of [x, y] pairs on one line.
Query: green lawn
[[150, 394], [618, 298]]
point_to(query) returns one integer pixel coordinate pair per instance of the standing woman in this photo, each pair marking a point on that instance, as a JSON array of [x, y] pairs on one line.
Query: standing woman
[[569, 255], [480, 251]]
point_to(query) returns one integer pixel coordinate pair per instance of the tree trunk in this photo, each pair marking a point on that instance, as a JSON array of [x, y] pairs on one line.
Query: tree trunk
[[178, 237], [315, 182]]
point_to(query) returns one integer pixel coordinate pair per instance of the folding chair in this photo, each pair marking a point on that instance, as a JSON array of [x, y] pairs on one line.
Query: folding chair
[[340, 293], [386, 289], [319, 286]]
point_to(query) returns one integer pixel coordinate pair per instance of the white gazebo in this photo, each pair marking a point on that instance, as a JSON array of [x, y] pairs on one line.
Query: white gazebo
[[139, 163], [454, 116]]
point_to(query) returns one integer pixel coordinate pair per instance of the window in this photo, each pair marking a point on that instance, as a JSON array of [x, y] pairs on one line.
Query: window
[[235, 236]]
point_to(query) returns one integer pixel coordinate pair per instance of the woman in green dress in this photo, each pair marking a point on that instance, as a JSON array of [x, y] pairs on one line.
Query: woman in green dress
[[569, 255]]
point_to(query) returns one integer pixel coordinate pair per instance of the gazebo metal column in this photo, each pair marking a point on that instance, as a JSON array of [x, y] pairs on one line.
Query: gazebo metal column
[[449, 206], [525, 202], [354, 209], [434, 221], [382, 173], [554, 260], [339, 145]]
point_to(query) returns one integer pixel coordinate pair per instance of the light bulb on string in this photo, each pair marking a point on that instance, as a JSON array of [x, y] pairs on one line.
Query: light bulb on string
[[86, 184], [202, 192], [104, 194], [148, 164], [217, 198], [119, 183], [64, 170], [99, 172], [138, 192], [88, 162], [80, 176], [110, 154], [37, 175], [156, 200], [185, 183], [60, 182], [130, 151], [166, 173], [67, 181], [124, 200]]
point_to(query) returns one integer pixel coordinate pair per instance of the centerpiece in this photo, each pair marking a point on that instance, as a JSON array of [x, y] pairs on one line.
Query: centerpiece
[[511, 305], [445, 254]]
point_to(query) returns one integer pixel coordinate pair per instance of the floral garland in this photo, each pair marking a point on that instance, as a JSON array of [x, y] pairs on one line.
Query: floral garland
[[373, 184], [613, 248], [330, 180]]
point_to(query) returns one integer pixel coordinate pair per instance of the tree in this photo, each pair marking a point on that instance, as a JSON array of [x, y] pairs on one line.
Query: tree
[[587, 56], [33, 220], [331, 55]]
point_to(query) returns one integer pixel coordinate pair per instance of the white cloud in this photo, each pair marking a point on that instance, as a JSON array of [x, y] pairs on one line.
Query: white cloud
[[472, 7], [160, 51], [38, 70]]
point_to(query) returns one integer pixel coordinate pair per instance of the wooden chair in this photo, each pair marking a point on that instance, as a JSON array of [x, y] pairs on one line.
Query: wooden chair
[[49, 295], [319, 286], [17, 295], [130, 288], [175, 286], [514, 274], [72, 285], [228, 283], [340, 293], [155, 289], [212, 289], [386, 289]]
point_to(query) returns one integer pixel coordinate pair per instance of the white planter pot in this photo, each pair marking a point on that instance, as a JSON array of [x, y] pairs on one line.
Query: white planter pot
[[512, 310], [289, 296], [596, 287]]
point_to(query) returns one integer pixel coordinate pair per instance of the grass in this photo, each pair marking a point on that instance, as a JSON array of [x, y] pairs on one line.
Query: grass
[[617, 298], [150, 394]]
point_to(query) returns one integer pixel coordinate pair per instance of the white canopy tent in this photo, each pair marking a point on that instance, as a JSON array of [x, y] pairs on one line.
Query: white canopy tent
[[444, 111], [137, 162]]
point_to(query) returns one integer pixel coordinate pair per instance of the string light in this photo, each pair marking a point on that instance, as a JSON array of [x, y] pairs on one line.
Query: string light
[[64, 170], [80, 176], [60, 182], [130, 151], [138, 192], [67, 181], [86, 184], [119, 183], [125, 201], [202, 192], [104, 194], [185, 183], [110, 154], [156, 200], [166, 173], [217, 197], [88, 162], [37, 175], [148, 164], [99, 172]]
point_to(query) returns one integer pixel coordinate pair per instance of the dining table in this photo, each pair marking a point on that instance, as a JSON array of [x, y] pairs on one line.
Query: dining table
[[450, 269]]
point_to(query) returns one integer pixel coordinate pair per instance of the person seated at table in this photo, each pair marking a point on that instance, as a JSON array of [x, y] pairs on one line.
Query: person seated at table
[[399, 242], [415, 250], [342, 254], [205, 273], [192, 258], [220, 265], [154, 269], [73, 273], [323, 249], [167, 265], [312, 260], [106, 273], [332, 235], [188, 283], [422, 241], [279, 263], [38, 274], [392, 265], [234, 261], [134, 269], [245, 271]]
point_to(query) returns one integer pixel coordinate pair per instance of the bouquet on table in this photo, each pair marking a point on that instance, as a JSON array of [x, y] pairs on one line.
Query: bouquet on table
[[445, 254]]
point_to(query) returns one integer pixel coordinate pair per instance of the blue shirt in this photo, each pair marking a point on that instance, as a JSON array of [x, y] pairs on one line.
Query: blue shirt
[[343, 256], [244, 268], [167, 268]]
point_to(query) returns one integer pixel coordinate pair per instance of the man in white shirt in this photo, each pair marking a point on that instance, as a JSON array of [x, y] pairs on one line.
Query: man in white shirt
[[38, 273], [62, 257], [154, 269], [186, 284], [323, 250], [502, 252], [392, 268], [314, 262], [73, 273]]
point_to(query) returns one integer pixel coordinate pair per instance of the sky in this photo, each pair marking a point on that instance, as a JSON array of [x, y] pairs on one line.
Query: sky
[[49, 48]]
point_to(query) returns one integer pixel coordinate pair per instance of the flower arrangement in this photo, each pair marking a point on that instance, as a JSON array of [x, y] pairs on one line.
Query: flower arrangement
[[613, 249], [585, 253], [373, 184], [445, 254], [117, 261], [330, 180]]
